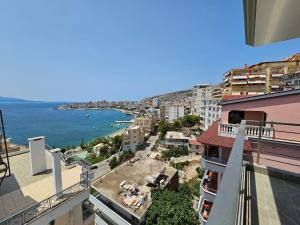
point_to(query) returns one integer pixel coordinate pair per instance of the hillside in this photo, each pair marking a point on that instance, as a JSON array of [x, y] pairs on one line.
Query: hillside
[[9, 100], [173, 95]]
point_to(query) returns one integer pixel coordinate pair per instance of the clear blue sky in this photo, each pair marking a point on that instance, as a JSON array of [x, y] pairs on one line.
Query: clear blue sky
[[81, 50]]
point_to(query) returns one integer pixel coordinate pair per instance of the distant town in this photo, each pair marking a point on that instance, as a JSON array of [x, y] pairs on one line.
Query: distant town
[[173, 153]]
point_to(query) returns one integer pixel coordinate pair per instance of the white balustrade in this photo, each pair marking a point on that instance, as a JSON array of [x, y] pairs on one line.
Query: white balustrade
[[230, 130]]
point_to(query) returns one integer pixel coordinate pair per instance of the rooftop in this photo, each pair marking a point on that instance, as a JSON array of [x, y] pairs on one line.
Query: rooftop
[[175, 135], [21, 189], [136, 174], [265, 96], [211, 137]]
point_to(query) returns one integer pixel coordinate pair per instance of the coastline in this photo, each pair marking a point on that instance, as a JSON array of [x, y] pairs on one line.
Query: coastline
[[129, 112], [116, 133]]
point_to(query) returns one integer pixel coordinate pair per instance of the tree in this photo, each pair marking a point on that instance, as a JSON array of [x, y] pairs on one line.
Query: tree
[[190, 120], [171, 207], [177, 125], [175, 152], [163, 127], [117, 141], [113, 163]]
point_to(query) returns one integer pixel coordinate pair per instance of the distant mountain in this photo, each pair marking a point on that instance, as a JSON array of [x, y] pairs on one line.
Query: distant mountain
[[9, 100]]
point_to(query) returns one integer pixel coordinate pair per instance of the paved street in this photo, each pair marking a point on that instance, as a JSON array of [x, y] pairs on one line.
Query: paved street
[[103, 167]]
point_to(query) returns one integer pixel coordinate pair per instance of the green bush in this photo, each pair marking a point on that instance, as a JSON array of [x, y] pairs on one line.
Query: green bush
[[126, 155], [180, 165], [200, 171], [175, 152], [113, 163], [171, 207]]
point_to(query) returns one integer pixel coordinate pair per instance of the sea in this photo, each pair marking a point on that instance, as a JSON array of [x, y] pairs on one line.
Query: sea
[[61, 128]]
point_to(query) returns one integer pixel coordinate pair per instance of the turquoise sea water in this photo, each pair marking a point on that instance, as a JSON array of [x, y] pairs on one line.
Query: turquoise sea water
[[60, 127]]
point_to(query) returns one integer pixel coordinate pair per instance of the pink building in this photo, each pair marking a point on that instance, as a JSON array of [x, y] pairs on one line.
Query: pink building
[[272, 139]]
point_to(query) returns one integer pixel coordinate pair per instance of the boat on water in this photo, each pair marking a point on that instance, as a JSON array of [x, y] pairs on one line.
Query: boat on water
[[87, 115]]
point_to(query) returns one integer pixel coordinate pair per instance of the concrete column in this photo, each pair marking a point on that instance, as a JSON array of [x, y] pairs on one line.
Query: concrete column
[[37, 154], [56, 169], [219, 179], [220, 149], [268, 77]]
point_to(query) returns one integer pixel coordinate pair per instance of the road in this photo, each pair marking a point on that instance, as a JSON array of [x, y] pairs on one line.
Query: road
[[103, 167], [150, 144]]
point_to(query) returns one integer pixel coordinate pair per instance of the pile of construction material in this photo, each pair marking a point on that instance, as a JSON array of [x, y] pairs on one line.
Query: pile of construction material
[[131, 195]]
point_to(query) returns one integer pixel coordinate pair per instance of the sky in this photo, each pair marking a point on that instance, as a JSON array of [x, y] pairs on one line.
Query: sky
[[88, 50]]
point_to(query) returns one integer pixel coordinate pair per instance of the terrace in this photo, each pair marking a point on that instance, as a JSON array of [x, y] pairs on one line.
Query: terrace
[[25, 197]]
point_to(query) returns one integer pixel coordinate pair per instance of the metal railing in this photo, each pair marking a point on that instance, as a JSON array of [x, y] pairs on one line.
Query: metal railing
[[226, 207], [44, 206], [207, 188], [214, 159]]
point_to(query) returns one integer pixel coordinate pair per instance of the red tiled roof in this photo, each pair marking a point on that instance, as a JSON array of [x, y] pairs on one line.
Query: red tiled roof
[[233, 97], [211, 137], [194, 142]]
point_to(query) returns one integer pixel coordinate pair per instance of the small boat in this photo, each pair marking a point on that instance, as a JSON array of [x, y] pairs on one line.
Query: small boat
[[87, 115]]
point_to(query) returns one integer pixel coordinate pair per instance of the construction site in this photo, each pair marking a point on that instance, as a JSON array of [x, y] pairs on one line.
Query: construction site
[[127, 189]]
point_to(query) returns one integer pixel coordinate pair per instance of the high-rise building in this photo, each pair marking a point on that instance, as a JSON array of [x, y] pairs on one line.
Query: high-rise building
[[260, 78], [156, 102], [205, 103], [174, 112]]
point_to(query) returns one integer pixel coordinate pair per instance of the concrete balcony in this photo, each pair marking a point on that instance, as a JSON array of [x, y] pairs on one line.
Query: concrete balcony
[[213, 164], [209, 185], [106, 212], [237, 77], [204, 210], [230, 130]]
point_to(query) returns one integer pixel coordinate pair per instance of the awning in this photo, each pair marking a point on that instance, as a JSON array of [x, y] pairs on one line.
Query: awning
[[268, 21]]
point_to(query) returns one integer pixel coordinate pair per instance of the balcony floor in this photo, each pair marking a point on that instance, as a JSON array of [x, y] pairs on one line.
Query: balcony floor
[[273, 201]]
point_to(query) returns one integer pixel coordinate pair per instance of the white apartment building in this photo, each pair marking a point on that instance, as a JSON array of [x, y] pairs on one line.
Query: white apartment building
[[206, 99], [133, 137], [156, 102], [174, 112]]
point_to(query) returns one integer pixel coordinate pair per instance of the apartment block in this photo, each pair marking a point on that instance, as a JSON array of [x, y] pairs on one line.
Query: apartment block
[[174, 112], [156, 102], [133, 138], [123, 196], [147, 123], [255, 144], [206, 99], [291, 81], [260, 78]]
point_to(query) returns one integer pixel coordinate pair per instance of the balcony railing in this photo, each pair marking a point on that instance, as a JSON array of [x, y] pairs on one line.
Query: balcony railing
[[230, 130], [227, 206], [40, 208], [214, 160], [205, 190], [204, 211]]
